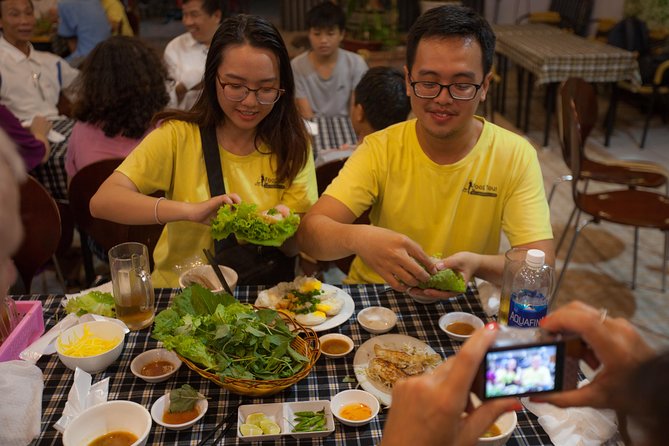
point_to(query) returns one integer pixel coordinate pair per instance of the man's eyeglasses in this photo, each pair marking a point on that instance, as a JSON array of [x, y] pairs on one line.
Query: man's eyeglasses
[[239, 92], [461, 91]]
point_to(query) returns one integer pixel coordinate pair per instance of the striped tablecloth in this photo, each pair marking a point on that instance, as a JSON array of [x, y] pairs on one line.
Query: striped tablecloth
[[554, 55], [333, 132], [325, 380]]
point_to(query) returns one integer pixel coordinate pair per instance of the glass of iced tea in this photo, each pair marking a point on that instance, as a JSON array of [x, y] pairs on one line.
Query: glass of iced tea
[[134, 297]]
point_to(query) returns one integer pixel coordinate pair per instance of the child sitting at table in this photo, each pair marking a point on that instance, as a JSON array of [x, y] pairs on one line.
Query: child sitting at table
[[326, 74], [379, 101]]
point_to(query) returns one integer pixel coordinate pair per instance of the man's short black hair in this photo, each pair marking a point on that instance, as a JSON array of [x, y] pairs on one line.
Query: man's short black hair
[[211, 6], [326, 15], [382, 94]]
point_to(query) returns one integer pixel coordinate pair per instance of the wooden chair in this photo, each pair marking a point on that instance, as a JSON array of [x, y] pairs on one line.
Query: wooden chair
[[631, 207], [631, 174], [573, 15], [105, 233], [41, 225]]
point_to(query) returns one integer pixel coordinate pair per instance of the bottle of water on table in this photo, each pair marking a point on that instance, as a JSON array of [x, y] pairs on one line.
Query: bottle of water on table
[[530, 291]]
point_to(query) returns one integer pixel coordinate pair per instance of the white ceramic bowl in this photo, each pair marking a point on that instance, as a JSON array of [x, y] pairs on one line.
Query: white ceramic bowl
[[158, 409], [343, 399], [377, 320], [149, 356], [205, 275], [507, 424], [111, 416], [459, 316], [338, 337], [106, 330]]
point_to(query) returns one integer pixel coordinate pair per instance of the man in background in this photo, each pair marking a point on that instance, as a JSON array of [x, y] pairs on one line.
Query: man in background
[[185, 55]]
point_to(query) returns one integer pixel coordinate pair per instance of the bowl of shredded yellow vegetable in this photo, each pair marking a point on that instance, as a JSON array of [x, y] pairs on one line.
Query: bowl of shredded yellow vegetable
[[91, 346]]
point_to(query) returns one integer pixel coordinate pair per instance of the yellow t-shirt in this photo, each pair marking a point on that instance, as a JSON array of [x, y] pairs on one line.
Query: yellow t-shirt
[[170, 159], [117, 17], [445, 208]]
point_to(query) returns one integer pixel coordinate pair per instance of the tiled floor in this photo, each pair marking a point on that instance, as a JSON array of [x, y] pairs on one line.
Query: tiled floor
[[601, 268]]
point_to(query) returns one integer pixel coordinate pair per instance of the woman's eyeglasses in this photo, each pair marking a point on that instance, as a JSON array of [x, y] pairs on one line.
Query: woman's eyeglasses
[[239, 92]]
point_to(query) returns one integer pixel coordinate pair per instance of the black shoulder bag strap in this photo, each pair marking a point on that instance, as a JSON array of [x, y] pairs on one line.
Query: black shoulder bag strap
[[212, 160]]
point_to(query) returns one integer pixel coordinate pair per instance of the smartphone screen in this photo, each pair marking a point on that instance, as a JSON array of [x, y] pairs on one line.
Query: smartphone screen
[[526, 370]]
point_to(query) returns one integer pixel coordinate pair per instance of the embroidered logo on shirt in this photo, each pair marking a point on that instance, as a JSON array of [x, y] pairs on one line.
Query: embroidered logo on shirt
[[484, 190], [269, 183]]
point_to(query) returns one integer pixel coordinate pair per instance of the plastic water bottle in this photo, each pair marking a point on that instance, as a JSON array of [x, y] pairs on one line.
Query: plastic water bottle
[[530, 291]]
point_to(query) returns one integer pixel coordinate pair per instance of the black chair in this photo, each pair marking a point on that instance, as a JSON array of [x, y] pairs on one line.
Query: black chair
[[105, 233], [569, 14]]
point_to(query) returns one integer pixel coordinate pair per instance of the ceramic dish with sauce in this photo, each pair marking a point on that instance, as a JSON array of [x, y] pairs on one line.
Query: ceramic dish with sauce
[[377, 320], [155, 365], [335, 345], [354, 407], [178, 421], [459, 325]]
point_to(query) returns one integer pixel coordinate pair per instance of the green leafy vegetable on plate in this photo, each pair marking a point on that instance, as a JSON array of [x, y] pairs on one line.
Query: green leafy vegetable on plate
[[94, 302], [270, 228], [446, 280], [184, 398], [227, 337]]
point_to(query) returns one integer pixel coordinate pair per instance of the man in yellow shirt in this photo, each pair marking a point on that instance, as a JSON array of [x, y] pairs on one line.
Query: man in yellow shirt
[[443, 184]]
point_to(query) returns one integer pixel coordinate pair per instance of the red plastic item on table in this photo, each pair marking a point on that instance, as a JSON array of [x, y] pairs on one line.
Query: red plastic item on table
[[26, 332]]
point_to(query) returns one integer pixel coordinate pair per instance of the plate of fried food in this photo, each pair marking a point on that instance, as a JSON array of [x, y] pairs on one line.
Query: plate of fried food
[[310, 302], [382, 360]]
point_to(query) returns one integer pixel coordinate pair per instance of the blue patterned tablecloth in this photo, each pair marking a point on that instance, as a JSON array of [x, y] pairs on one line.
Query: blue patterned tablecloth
[[324, 381]]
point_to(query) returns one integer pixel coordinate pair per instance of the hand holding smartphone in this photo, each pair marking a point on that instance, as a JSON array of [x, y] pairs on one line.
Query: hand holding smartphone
[[528, 362]]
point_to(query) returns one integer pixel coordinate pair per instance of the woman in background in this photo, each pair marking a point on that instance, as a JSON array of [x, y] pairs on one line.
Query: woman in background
[[121, 86], [247, 107]]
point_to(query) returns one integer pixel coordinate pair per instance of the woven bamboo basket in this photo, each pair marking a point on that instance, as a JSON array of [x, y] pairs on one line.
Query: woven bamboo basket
[[306, 343]]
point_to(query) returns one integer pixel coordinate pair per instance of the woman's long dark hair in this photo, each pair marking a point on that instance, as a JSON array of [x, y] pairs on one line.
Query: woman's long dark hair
[[282, 129], [121, 87]]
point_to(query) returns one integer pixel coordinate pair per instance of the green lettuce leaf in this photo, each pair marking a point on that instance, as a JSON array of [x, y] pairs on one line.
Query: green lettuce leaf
[[94, 302], [446, 280], [247, 224]]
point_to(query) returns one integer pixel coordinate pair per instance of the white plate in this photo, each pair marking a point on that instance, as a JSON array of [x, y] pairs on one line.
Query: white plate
[[365, 353], [346, 310]]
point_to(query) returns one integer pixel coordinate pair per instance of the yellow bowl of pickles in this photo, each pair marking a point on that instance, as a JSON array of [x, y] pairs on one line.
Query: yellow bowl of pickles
[[91, 346]]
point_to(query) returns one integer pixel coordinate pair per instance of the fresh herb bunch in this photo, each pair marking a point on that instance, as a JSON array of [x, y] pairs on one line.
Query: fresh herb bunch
[[227, 337], [184, 398], [309, 421], [248, 225], [94, 302]]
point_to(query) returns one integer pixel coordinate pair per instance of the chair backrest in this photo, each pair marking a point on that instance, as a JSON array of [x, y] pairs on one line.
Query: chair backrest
[[574, 14], [41, 226], [582, 95], [327, 172], [572, 138], [107, 234]]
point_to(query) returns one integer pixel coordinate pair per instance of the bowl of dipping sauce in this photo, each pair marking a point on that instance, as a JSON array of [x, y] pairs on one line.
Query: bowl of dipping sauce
[[123, 421], [499, 432], [354, 407], [377, 320], [335, 345], [459, 325], [177, 421], [155, 365]]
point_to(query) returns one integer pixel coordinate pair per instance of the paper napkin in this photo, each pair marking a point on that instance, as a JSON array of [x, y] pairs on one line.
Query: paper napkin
[[21, 385], [82, 396]]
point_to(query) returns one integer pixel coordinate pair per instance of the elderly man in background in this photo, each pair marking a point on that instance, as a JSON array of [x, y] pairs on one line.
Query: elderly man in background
[[186, 54]]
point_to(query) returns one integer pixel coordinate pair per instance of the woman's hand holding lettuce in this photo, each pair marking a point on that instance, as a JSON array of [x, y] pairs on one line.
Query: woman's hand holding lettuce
[[270, 228]]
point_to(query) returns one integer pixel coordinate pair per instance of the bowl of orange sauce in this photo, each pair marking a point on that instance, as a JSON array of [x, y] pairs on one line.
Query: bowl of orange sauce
[[335, 345], [459, 325], [354, 407], [156, 365], [177, 421]]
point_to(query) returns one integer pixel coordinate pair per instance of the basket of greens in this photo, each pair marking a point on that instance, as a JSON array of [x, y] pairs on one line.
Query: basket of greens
[[246, 350]]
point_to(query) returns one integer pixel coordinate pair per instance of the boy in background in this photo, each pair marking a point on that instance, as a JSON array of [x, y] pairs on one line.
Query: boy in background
[[326, 74]]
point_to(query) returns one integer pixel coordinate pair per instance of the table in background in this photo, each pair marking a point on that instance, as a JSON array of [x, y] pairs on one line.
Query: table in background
[[333, 131], [51, 174], [551, 56], [324, 381]]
